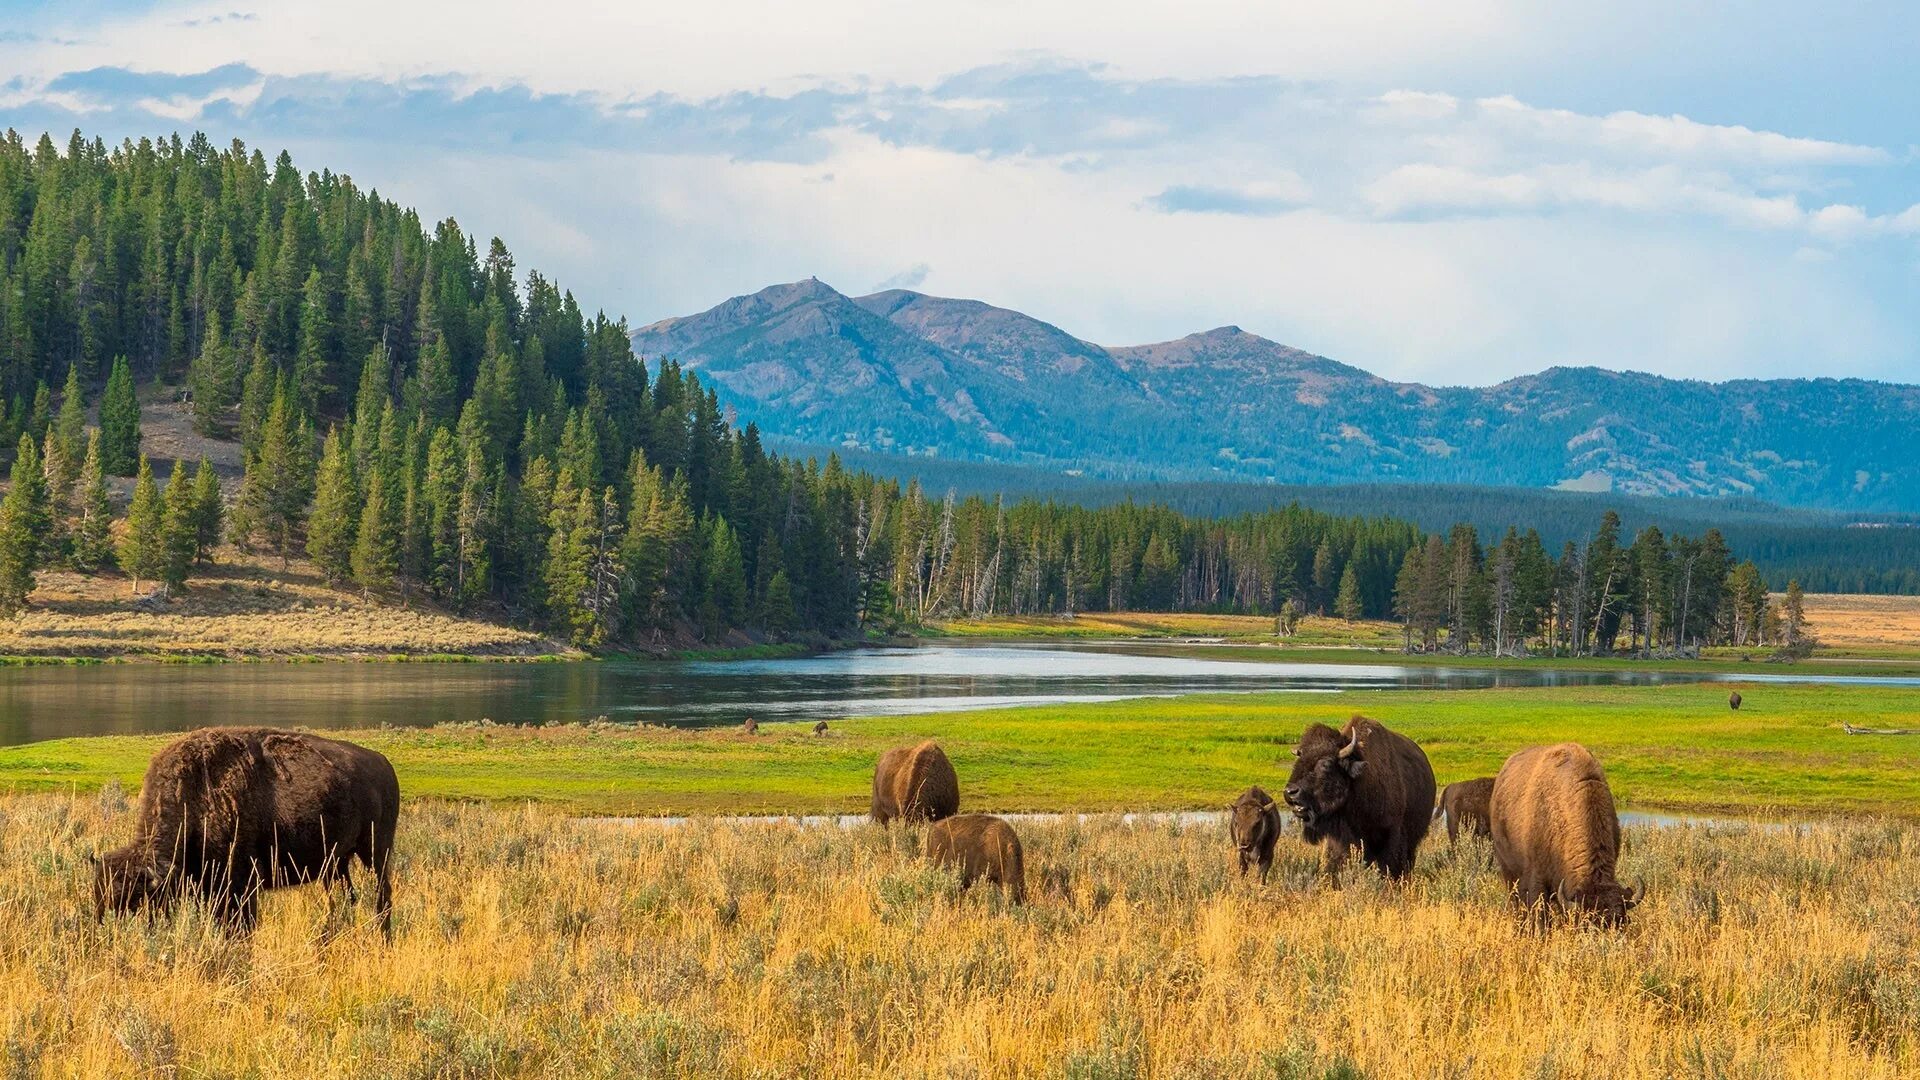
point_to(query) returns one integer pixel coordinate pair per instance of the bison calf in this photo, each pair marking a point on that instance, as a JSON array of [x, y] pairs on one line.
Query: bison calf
[[1364, 786], [916, 783], [228, 812], [1255, 824], [1556, 836], [1466, 804], [980, 845]]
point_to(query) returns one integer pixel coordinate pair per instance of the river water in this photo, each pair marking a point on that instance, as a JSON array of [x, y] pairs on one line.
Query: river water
[[52, 702]]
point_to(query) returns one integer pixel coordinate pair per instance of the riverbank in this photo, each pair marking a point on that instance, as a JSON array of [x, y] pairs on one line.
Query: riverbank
[[528, 944], [1666, 748]]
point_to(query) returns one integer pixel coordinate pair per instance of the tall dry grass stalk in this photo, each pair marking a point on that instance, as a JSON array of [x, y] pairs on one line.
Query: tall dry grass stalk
[[528, 944]]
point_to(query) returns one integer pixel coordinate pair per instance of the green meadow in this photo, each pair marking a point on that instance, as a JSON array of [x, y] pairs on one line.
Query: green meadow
[[1673, 748]]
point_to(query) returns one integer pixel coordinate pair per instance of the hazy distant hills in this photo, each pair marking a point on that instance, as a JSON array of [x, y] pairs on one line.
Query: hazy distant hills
[[903, 372]]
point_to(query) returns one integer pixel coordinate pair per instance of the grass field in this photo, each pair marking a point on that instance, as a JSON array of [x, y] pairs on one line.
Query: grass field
[[245, 606], [1872, 626], [1665, 748], [530, 945], [1313, 631]]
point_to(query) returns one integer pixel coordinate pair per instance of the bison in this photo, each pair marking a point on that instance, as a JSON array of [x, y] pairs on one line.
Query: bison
[[915, 783], [1556, 836], [751, 727], [1255, 825], [1733, 701], [1364, 785], [228, 812], [980, 845], [820, 728], [1466, 805]]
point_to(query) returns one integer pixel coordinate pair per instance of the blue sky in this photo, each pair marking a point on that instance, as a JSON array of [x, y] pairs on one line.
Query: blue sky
[[1451, 193]]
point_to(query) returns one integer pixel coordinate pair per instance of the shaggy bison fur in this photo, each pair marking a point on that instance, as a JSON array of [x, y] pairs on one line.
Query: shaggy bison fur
[[980, 846], [1255, 824], [1556, 836], [1733, 701], [1466, 806], [227, 812], [1363, 786], [915, 783]]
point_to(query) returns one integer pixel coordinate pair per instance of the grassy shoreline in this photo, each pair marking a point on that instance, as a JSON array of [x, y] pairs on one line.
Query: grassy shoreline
[[1666, 748]]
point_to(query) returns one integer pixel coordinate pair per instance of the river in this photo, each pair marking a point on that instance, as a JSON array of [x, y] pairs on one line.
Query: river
[[52, 702]]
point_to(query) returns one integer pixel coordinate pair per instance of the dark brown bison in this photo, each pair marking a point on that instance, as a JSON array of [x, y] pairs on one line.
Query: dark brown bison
[[751, 727], [1255, 824], [820, 727], [228, 812], [1733, 701], [1364, 785], [1556, 836], [916, 783], [980, 845], [1465, 805]]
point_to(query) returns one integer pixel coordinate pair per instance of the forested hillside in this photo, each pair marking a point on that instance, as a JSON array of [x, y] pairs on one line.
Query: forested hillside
[[419, 418]]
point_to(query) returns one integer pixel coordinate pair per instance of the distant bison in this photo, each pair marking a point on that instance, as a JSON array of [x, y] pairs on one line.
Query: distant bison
[[980, 845], [820, 727], [1364, 785], [1733, 701], [1466, 805], [1255, 825], [228, 812], [751, 727], [1556, 836], [915, 783]]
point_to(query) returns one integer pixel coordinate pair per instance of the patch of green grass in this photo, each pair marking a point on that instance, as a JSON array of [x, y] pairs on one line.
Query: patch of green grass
[[1673, 748]]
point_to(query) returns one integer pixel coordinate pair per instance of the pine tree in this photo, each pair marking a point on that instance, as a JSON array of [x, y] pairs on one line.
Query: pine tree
[[24, 521], [180, 529], [208, 511], [1347, 603], [211, 380], [278, 484], [334, 526], [776, 610], [119, 422], [92, 549], [143, 546], [72, 424], [375, 547], [1793, 617]]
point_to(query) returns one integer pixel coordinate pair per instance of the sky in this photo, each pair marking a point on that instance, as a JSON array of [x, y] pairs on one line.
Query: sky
[[1451, 193]]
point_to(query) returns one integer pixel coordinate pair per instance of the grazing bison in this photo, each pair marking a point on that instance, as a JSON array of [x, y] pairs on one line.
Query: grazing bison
[[1364, 785], [1556, 836], [751, 727], [980, 845], [1466, 804], [1255, 823], [1733, 701], [227, 812], [820, 727], [916, 783]]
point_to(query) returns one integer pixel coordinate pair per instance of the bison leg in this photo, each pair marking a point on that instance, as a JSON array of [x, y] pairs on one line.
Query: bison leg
[[1266, 864], [1453, 829], [1334, 858]]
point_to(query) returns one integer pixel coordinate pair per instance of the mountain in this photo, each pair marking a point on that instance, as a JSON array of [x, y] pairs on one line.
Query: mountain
[[903, 372]]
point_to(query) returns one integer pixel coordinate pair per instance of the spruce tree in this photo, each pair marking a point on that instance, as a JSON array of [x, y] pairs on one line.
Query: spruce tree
[[208, 511], [278, 483], [72, 424], [119, 422], [1347, 603], [211, 380], [40, 416], [332, 529], [143, 545], [375, 556], [776, 609], [24, 521], [59, 471], [92, 546], [180, 529]]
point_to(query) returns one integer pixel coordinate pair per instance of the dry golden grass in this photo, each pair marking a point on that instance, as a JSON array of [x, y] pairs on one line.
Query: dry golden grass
[[529, 944], [1854, 621], [243, 606], [1312, 630]]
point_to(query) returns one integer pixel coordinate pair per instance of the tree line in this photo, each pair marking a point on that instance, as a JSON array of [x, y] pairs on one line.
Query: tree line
[[419, 420]]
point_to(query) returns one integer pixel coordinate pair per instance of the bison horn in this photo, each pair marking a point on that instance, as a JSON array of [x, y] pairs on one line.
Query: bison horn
[[1352, 746], [1560, 893], [1639, 892]]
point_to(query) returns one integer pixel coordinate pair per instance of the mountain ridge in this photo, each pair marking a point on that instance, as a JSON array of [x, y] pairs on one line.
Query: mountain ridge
[[907, 372]]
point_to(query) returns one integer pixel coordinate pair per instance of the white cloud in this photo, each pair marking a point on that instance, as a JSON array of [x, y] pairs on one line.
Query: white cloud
[[1673, 137]]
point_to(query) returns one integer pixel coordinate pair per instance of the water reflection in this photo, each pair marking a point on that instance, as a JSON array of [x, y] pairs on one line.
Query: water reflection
[[50, 702]]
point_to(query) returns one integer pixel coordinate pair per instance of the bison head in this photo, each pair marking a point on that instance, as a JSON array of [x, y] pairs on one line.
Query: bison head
[[124, 882], [1324, 769], [1603, 903], [1248, 818]]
